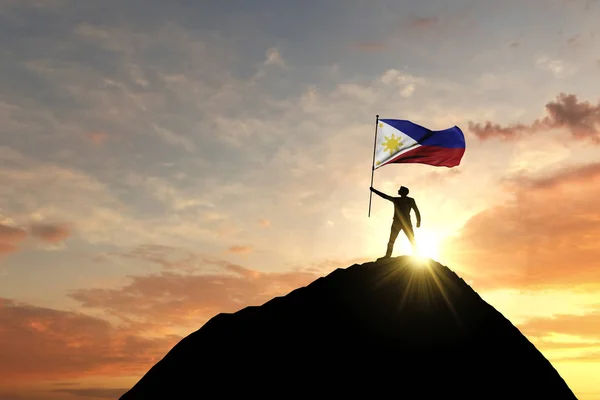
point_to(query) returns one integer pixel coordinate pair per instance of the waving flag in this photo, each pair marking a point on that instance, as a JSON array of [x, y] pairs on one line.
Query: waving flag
[[402, 141]]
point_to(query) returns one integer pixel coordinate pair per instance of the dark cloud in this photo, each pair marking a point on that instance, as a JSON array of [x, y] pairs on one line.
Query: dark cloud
[[579, 118], [50, 233], [450, 24], [424, 22], [574, 40]]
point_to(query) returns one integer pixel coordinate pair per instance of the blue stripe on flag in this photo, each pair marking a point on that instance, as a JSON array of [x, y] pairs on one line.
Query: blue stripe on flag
[[451, 138]]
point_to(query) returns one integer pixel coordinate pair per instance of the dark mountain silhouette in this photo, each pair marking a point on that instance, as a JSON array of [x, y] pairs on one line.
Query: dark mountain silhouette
[[395, 328]]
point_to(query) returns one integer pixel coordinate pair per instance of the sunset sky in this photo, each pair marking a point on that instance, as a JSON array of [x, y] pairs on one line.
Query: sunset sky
[[164, 161]]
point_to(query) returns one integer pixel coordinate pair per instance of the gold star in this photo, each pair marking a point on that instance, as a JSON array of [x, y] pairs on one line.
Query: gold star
[[381, 124]]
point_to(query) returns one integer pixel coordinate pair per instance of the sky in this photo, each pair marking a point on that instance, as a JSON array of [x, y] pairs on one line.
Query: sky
[[165, 161]]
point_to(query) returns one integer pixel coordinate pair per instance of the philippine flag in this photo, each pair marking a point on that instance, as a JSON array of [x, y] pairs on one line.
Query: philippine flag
[[402, 141]]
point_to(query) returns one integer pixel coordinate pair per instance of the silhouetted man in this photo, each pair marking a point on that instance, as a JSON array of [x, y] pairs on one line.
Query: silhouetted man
[[402, 207]]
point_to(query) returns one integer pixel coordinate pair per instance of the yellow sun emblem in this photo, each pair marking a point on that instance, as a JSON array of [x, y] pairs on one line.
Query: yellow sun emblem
[[392, 144]]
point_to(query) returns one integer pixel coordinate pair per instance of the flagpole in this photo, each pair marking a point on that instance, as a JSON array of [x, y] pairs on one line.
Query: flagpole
[[373, 162]]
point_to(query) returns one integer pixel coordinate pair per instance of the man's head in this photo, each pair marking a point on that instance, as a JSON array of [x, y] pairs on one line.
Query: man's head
[[403, 191]]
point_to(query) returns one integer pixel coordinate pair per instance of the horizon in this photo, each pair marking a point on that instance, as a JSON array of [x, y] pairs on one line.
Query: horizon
[[203, 157]]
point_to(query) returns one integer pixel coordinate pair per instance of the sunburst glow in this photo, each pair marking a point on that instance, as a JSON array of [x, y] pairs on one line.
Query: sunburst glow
[[428, 244]]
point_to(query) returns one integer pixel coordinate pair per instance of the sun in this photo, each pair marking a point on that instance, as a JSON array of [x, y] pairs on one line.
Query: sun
[[428, 244], [392, 144]]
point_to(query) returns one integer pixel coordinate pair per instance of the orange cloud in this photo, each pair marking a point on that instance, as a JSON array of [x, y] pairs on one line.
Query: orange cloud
[[97, 138], [580, 119], [155, 311], [45, 344], [10, 238], [546, 236], [97, 393], [585, 326], [264, 222], [240, 249], [593, 356], [50, 233], [190, 299]]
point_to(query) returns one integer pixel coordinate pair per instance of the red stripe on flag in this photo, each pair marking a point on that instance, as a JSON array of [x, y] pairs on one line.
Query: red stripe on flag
[[431, 155]]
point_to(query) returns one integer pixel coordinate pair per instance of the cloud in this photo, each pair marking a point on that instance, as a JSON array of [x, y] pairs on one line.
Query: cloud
[[50, 233], [559, 68], [274, 58], [580, 119], [97, 138], [195, 285], [566, 337], [574, 40], [148, 315], [10, 238], [175, 138], [585, 326], [97, 393], [101, 213], [45, 344], [452, 23], [154, 312], [374, 47], [424, 22], [593, 356], [171, 96], [13, 236], [544, 236], [190, 288], [240, 249], [264, 222]]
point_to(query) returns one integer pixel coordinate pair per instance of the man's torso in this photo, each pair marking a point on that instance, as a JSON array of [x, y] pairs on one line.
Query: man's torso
[[402, 207]]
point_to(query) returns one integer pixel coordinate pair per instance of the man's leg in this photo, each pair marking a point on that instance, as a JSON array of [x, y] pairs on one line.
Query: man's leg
[[410, 234], [393, 235]]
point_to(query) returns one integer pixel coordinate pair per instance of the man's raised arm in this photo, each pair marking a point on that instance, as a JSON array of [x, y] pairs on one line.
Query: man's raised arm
[[385, 196]]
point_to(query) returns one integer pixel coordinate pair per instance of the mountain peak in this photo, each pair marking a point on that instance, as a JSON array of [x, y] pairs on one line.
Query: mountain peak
[[400, 325]]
